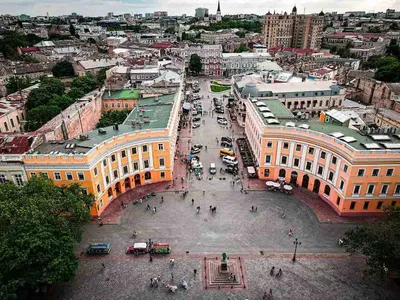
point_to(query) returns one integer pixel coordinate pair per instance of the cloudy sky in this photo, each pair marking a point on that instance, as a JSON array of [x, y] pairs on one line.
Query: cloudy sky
[[178, 7]]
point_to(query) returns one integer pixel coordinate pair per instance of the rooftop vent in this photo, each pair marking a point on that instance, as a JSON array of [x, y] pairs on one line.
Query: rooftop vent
[[102, 131], [146, 120], [115, 126]]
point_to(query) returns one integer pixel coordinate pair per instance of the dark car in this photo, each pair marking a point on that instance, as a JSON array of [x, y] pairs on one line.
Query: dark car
[[226, 139], [226, 144], [219, 111], [195, 150], [231, 169], [196, 119], [197, 146]]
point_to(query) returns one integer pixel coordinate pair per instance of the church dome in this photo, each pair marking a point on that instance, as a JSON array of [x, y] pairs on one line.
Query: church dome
[[294, 10]]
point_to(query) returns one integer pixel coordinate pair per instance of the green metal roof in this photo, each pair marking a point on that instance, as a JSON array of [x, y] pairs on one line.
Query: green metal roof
[[276, 107], [124, 94]]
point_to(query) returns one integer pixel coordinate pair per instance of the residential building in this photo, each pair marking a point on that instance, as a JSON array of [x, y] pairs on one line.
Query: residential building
[[159, 14], [297, 31], [239, 63], [139, 75], [355, 172], [377, 93], [308, 98], [95, 65], [387, 118], [217, 37], [200, 12]]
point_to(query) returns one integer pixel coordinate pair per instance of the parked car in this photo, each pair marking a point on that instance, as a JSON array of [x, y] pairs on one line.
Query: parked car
[[213, 169], [137, 248], [231, 169], [230, 160], [226, 138], [197, 146], [100, 248], [222, 121], [196, 119], [195, 150], [226, 144], [194, 112], [196, 125], [219, 111]]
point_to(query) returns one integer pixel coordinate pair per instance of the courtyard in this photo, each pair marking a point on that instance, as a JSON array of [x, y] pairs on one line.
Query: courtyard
[[260, 239]]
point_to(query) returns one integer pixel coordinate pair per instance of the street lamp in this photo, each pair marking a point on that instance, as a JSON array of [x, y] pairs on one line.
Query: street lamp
[[296, 242]]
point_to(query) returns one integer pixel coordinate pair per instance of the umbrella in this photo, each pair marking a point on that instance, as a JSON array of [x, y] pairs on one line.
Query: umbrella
[[186, 105]]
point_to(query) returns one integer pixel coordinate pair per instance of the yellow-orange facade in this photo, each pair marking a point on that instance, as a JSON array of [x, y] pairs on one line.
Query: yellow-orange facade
[[351, 180]]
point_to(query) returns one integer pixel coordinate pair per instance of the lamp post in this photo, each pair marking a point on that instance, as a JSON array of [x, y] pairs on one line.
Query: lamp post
[[296, 243]]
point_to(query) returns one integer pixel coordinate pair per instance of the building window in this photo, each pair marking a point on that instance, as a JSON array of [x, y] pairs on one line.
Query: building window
[[298, 147], [107, 180], [366, 204], [44, 174], [327, 190], [320, 170], [296, 162], [356, 190], [308, 166], [384, 189], [371, 188], [106, 105], [113, 157], [360, 172], [269, 144], [393, 203], [283, 160], [160, 147], [81, 176], [146, 163], [18, 180], [266, 172], [135, 166], [98, 189], [285, 145], [162, 162], [397, 189], [123, 153], [379, 206], [330, 176], [57, 176], [69, 176], [162, 174], [323, 155], [310, 150], [389, 172], [134, 150], [95, 171], [125, 170], [345, 168], [32, 174], [12, 123], [105, 162], [352, 205], [337, 201], [334, 160], [267, 159], [375, 172], [144, 148], [115, 174], [5, 126]]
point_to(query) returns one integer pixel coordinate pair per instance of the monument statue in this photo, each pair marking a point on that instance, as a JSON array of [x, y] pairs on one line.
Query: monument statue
[[224, 257]]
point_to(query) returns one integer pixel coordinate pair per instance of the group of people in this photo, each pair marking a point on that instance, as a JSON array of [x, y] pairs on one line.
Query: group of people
[[154, 208], [253, 208], [272, 272], [268, 296]]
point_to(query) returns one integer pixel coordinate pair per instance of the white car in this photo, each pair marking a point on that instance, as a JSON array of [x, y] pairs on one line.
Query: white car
[[230, 160], [222, 122]]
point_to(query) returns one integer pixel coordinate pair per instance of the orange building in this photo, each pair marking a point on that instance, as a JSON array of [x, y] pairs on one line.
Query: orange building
[[357, 172], [120, 99], [109, 161]]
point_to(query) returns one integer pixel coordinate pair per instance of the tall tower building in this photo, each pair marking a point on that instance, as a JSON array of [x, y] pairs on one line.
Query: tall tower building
[[294, 30], [218, 17]]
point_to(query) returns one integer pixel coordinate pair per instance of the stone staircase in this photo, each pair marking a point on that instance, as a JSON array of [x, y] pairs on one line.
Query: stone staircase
[[218, 278]]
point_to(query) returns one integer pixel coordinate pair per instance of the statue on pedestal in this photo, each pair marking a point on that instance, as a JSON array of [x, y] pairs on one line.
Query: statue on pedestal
[[224, 263]]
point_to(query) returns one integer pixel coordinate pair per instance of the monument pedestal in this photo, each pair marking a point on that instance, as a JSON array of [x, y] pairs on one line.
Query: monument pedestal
[[224, 267]]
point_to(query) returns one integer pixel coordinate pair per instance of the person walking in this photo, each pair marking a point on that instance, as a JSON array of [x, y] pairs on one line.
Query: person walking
[[205, 147], [172, 277], [272, 272], [103, 266], [204, 192], [154, 209], [162, 199], [192, 201], [195, 272]]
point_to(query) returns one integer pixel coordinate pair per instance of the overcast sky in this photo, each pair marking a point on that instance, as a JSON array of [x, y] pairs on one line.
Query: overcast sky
[[178, 7]]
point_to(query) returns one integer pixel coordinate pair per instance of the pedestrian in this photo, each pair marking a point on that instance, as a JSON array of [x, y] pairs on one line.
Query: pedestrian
[[162, 199], [149, 242], [172, 277], [252, 208], [241, 190], [151, 258], [204, 192], [272, 272], [234, 278], [192, 201], [211, 208], [148, 206], [265, 297], [206, 148], [151, 280], [195, 272], [233, 182], [154, 209], [230, 276], [103, 265], [256, 208], [214, 193]]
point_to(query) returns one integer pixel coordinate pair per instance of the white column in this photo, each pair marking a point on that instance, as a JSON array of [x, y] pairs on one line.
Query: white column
[[139, 148], [150, 148], [120, 172], [327, 164], [291, 151], [336, 175], [315, 163], [102, 174], [129, 153], [303, 158], [278, 154], [110, 169]]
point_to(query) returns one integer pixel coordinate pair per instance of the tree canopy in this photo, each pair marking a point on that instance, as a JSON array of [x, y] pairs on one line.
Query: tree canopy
[[85, 83], [11, 40], [380, 242], [39, 224], [15, 84], [40, 115], [195, 65], [388, 67], [63, 68], [242, 48], [112, 117]]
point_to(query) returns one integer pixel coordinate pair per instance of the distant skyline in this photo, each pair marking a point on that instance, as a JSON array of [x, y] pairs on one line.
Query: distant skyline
[[179, 7]]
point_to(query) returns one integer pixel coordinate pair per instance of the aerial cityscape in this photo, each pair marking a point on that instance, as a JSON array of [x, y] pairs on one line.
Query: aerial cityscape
[[222, 150]]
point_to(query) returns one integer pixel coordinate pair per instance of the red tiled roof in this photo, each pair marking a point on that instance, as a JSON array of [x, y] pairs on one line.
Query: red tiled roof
[[30, 49], [321, 71], [163, 45], [10, 144]]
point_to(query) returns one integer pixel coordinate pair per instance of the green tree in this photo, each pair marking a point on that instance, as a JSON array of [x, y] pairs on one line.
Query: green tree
[[62, 101], [170, 30], [72, 30], [112, 117], [63, 68], [38, 97], [52, 85], [85, 83], [195, 65], [240, 34], [11, 40], [38, 116], [76, 93], [380, 242], [101, 76], [38, 230], [17, 83], [242, 48]]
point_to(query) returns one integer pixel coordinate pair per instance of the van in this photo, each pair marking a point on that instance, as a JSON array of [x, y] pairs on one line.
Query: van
[[226, 151], [230, 160], [101, 248], [213, 169]]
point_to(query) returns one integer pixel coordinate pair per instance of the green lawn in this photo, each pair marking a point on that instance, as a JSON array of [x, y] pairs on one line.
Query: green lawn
[[219, 88]]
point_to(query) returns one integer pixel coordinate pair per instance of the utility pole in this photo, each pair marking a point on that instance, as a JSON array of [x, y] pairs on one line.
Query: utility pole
[[296, 243]]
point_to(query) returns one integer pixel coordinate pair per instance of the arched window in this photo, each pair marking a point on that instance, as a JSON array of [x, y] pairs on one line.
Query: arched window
[[147, 176], [327, 190]]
